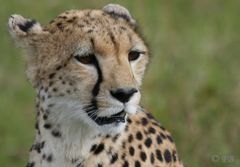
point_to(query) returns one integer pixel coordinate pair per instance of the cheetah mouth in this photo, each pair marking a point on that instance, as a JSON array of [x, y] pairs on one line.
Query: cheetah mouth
[[119, 117]]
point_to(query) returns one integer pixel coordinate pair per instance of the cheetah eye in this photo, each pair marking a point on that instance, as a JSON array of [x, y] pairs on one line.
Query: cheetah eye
[[134, 55], [85, 59]]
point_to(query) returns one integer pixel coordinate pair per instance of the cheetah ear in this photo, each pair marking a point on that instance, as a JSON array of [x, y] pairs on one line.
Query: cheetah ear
[[116, 10], [22, 28], [27, 34]]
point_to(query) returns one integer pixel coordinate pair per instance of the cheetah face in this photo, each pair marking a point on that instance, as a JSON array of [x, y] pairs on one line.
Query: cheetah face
[[113, 89], [88, 65]]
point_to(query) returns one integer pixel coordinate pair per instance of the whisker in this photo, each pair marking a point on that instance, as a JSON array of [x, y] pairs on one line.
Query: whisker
[[140, 108]]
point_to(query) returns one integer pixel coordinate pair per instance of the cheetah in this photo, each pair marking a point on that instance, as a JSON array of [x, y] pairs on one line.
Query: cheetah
[[87, 68]]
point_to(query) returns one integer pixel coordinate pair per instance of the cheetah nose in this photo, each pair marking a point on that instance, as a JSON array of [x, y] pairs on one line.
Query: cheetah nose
[[123, 94]]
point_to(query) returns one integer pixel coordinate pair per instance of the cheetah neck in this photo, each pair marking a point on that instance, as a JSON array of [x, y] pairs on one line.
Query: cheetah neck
[[61, 142]]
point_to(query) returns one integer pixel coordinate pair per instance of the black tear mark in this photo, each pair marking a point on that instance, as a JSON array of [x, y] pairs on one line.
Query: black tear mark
[[96, 88], [27, 25]]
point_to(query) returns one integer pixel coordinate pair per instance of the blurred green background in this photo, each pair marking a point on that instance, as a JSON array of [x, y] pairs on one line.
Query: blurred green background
[[192, 85]]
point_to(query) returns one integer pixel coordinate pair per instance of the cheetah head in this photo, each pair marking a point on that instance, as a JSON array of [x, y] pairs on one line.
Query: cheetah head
[[86, 65]]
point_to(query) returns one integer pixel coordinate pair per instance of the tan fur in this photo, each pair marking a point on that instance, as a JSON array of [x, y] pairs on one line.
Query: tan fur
[[62, 82]]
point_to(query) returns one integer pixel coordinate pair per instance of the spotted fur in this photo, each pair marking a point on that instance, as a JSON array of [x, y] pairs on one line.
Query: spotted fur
[[87, 67]]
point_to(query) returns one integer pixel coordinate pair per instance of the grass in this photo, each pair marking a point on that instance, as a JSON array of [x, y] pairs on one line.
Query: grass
[[192, 85]]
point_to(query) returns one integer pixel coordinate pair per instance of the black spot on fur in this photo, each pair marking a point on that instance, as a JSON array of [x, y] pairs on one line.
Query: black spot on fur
[[114, 139], [129, 120], [140, 146], [144, 121], [139, 135], [36, 126], [55, 89], [152, 130], [47, 126], [152, 159], [174, 155], [51, 75], [49, 158], [143, 156], [159, 139], [99, 149], [70, 20], [30, 164], [43, 98], [170, 138], [114, 158], [38, 146], [90, 31], [156, 124], [45, 116], [56, 133], [131, 150], [58, 68], [60, 26], [159, 155], [93, 148], [150, 116], [125, 164], [137, 163], [123, 156], [123, 144], [27, 25], [108, 136], [62, 17], [148, 142], [162, 128], [167, 156], [163, 136], [130, 138]]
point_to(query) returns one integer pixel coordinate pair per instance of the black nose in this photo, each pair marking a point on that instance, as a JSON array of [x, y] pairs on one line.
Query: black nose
[[123, 94]]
